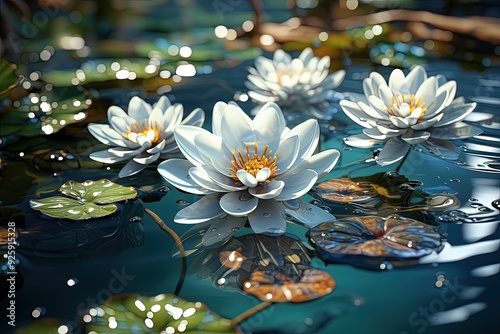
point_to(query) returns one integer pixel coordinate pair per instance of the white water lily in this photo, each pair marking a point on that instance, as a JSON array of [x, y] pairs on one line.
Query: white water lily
[[301, 84], [246, 168], [408, 111], [142, 135]]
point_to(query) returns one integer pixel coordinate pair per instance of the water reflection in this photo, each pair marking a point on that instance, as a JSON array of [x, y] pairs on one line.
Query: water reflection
[[48, 238], [274, 269]]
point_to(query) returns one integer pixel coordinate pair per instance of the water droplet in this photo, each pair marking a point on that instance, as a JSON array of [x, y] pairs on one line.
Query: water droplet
[[266, 214], [473, 200], [476, 205], [455, 180], [496, 204], [235, 229], [72, 281], [315, 202], [326, 208], [164, 189], [358, 212], [135, 219], [213, 229], [484, 209], [181, 202], [447, 168]]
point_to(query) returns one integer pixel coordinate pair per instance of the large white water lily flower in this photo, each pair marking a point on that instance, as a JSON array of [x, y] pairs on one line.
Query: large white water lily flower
[[247, 168], [142, 134], [407, 111], [301, 84]]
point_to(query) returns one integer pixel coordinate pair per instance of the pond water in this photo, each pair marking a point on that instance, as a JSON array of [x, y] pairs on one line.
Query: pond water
[[65, 267]]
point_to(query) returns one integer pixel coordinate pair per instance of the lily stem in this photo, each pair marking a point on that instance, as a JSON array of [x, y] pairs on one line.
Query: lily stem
[[248, 313], [178, 242]]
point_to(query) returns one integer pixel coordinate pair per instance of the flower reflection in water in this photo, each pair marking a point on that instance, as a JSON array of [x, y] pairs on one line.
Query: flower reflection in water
[[392, 238], [274, 269], [386, 193]]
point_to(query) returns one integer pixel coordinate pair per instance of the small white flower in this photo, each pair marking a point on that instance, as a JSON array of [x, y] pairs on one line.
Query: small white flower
[[297, 85], [246, 168], [142, 134], [407, 111]]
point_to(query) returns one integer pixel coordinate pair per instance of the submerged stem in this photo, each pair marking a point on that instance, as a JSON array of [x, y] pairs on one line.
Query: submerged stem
[[248, 313], [178, 242]]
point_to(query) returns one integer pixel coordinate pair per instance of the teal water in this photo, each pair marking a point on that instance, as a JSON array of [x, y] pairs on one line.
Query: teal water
[[66, 267]]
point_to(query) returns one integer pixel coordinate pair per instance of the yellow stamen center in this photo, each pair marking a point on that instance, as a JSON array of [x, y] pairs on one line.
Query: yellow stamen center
[[288, 71], [153, 131], [410, 102], [253, 163]]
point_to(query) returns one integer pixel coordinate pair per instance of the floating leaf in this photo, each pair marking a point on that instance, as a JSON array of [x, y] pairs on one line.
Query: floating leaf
[[165, 313], [86, 200], [272, 268], [44, 113], [8, 79], [393, 237]]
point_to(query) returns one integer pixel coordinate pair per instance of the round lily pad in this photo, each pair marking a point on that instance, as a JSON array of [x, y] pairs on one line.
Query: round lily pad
[[86, 200], [384, 238], [165, 313]]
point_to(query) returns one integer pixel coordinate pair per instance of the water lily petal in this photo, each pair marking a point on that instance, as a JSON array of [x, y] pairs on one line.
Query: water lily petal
[[399, 122], [131, 168], [115, 111], [361, 141], [185, 136], [393, 151], [397, 82], [455, 113], [200, 176], [377, 104], [175, 171], [202, 210], [163, 103], [138, 109], [436, 106], [354, 112], [306, 55], [108, 136], [106, 157], [416, 78], [297, 184], [268, 190], [223, 181], [427, 123], [241, 128], [322, 163], [172, 117], [213, 152], [157, 148], [413, 137], [146, 159], [268, 217], [268, 125], [376, 134], [246, 178], [238, 204], [388, 129], [427, 91], [308, 133], [286, 155], [451, 88]]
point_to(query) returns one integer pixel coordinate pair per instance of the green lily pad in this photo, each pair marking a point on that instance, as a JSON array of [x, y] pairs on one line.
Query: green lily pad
[[86, 200], [45, 113], [158, 314], [8, 79]]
